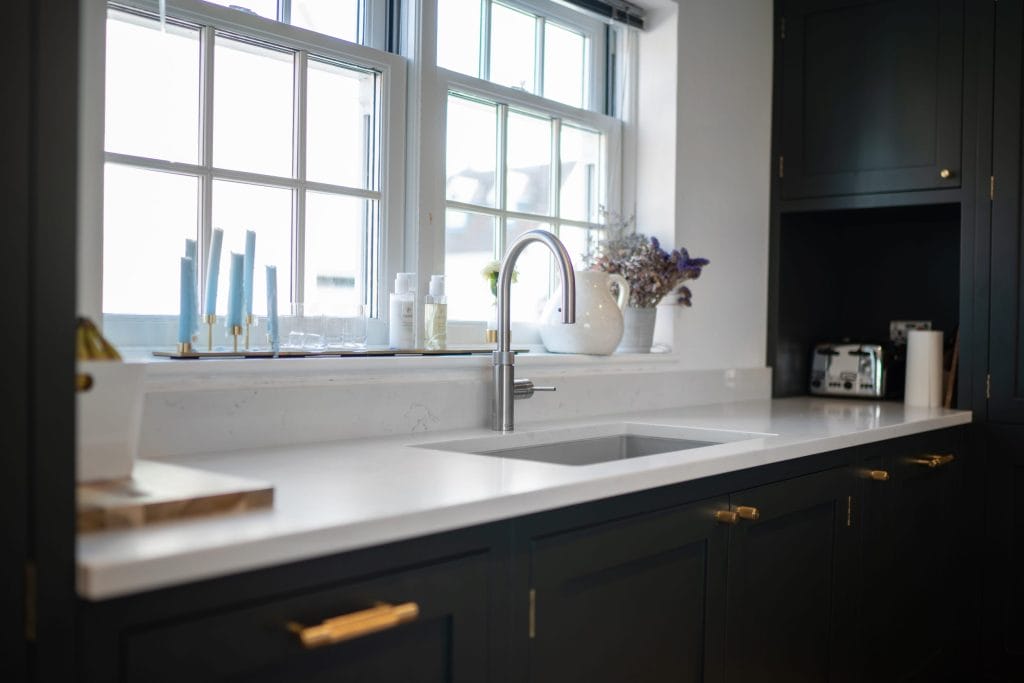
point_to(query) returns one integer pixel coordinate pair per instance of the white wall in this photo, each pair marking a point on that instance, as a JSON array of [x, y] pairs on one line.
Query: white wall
[[722, 171]]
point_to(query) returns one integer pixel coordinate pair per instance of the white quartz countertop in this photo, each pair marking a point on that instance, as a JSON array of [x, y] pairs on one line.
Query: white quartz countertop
[[341, 496]]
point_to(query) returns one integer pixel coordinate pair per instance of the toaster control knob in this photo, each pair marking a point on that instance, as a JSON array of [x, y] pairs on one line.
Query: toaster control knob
[[847, 385]]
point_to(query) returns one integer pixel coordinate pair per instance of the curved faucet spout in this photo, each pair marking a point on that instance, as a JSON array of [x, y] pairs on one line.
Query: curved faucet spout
[[504, 359], [508, 264]]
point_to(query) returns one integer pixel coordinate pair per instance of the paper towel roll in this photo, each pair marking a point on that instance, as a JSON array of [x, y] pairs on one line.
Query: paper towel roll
[[924, 369]]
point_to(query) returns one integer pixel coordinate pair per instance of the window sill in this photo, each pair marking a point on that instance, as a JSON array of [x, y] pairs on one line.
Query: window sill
[[168, 375]]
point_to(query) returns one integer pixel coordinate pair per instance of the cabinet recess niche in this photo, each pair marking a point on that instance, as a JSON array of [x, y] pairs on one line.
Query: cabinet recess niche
[[889, 76], [845, 274]]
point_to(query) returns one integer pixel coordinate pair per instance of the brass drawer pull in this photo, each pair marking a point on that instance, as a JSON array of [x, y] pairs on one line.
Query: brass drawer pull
[[748, 512], [934, 460], [726, 517], [83, 382], [355, 625], [879, 475]]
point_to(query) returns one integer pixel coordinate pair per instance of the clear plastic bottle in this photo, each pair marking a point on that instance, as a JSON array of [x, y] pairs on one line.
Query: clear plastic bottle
[[435, 315], [401, 321]]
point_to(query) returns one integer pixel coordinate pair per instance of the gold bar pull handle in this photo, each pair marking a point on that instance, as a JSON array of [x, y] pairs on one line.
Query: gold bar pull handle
[[934, 460], [748, 512], [726, 516], [879, 475], [355, 625]]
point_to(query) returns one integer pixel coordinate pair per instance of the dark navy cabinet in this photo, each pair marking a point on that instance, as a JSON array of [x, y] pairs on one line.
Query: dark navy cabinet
[[871, 96]]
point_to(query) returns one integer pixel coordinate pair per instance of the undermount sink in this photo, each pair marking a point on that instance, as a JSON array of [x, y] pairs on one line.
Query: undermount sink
[[593, 444]]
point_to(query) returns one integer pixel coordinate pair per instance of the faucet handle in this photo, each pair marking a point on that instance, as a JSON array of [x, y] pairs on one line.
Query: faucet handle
[[524, 388]]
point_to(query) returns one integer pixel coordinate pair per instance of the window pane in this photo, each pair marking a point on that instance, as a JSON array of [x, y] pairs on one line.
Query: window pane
[[147, 216], [238, 207], [252, 109], [579, 242], [469, 246], [458, 36], [564, 56], [152, 94], [336, 230], [338, 18], [513, 51], [529, 163], [581, 172], [531, 292], [264, 8], [340, 112], [471, 156]]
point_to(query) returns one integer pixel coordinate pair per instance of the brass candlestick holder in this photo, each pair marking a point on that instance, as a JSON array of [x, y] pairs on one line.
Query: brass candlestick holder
[[249, 322], [209, 319], [236, 332]]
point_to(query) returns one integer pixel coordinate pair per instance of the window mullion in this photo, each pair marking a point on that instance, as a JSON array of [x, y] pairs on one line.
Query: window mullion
[[538, 59], [501, 186], [485, 40], [301, 62], [556, 190], [207, 48]]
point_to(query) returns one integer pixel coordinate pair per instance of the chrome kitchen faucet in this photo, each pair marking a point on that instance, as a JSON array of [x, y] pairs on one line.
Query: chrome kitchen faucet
[[506, 387]]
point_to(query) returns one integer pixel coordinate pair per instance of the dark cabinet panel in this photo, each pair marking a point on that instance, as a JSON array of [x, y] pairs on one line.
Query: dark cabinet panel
[[1003, 635], [446, 643], [911, 512], [1007, 303], [639, 599], [790, 580], [871, 96]]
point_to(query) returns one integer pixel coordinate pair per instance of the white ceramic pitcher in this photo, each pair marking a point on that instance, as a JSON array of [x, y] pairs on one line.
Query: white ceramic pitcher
[[598, 326]]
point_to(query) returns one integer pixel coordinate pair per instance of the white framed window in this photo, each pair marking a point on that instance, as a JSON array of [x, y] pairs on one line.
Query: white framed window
[[220, 118], [526, 145]]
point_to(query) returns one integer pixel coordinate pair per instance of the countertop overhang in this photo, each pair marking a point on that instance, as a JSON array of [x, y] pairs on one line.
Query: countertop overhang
[[347, 495]]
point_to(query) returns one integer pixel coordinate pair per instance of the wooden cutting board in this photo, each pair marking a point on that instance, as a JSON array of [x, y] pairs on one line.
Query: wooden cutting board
[[159, 491]]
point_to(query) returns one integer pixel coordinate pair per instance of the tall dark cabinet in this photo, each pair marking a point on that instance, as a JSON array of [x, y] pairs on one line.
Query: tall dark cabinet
[[871, 97]]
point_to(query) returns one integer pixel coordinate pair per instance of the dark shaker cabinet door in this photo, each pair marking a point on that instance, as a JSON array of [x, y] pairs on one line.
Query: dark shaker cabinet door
[[871, 96], [790, 582], [447, 643], [911, 563], [1007, 303], [638, 599]]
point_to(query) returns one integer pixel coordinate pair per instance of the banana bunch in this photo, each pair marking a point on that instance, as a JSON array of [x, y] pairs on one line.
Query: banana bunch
[[90, 344]]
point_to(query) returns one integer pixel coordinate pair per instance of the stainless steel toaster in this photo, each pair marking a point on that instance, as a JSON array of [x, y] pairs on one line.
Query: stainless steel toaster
[[848, 370]]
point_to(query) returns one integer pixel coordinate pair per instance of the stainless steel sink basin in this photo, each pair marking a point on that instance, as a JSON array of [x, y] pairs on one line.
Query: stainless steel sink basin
[[593, 444]]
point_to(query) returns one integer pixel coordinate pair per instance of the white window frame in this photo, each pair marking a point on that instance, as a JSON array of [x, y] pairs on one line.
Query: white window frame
[[437, 82], [149, 330]]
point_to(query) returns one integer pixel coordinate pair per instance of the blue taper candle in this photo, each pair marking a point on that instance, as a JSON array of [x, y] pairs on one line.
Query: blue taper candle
[[192, 252], [250, 263], [213, 272], [235, 291], [272, 329], [187, 307]]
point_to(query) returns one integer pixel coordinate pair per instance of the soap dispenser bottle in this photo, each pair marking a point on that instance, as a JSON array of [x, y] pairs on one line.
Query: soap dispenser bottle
[[402, 313], [435, 315]]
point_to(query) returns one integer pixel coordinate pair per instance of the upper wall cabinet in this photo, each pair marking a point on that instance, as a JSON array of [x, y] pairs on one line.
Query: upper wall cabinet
[[871, 96], [1006, 308]]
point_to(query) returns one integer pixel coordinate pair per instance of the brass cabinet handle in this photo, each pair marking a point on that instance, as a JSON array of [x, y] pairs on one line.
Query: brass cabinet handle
[[879, 475], [748, 512], [355, 625], [83, 382], [934, 460], [945, 174], [726, 517]]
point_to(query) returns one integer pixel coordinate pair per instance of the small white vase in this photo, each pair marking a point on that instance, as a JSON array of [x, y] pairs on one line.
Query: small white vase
[[598, 326], [638, 336]]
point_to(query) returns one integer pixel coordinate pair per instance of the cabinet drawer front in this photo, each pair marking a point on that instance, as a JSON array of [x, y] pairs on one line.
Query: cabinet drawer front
[[258, 642]]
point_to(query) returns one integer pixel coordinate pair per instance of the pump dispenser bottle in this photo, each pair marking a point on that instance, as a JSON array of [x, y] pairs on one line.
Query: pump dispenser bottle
[[435, 315], [402, 313]]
